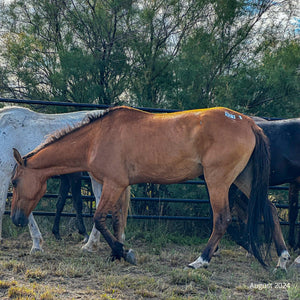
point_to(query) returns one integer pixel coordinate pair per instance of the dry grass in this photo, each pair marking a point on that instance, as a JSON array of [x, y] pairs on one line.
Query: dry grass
[[64, 272]]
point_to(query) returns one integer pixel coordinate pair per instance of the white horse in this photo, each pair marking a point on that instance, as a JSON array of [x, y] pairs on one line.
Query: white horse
[[24, 129]]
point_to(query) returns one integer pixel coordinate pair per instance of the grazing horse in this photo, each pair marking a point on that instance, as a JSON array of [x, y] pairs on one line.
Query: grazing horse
[[223, 145], [26, 129], [284, 139]]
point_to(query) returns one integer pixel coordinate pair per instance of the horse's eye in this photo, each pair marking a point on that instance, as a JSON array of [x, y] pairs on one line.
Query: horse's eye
[[14, 182]]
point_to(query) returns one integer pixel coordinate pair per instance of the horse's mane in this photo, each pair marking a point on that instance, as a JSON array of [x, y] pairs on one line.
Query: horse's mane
[[58, 135]]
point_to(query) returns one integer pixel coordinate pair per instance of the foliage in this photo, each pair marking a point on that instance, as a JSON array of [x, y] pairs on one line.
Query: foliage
[[270, 89], [65, 51], [174, 53]]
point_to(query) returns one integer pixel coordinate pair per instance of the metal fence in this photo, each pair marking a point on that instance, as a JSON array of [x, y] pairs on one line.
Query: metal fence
[[90, 199]]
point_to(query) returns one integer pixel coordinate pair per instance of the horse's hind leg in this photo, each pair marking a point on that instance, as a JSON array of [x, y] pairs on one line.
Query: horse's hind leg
[[293, 213], [75, 181], [61, 201], [280, 246], [221, 219]]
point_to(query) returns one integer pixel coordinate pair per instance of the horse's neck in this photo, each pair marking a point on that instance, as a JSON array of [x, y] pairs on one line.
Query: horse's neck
[[67, 155]]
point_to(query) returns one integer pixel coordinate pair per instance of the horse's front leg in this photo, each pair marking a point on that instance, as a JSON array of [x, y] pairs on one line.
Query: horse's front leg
[[60, 204], [36, 235], [221, 220], [75, 182], [3, 195], [91, 245], [109, 203]]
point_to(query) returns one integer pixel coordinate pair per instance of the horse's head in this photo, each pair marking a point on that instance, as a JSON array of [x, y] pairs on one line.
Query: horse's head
[[28, 189]]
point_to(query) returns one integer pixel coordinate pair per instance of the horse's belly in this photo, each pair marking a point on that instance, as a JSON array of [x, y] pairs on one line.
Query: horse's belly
[[167, 174]]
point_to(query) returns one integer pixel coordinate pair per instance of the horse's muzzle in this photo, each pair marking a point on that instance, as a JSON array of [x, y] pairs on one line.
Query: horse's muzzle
[[19, 219]]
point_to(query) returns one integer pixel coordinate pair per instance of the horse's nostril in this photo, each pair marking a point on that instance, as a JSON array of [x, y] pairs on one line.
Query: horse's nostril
[[19, 219]]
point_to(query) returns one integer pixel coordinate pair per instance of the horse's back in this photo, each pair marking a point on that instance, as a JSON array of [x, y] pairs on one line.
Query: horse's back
[[284, 137], [8, 115]]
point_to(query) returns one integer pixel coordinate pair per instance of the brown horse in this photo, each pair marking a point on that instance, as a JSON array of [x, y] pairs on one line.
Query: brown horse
[[127, 146]]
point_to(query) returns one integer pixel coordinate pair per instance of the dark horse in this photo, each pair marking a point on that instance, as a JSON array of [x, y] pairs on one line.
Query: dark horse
[[70, 181], [223, 145], [284, 139]]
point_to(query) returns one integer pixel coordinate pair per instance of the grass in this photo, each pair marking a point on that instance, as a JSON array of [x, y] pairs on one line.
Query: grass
[[62, 271]]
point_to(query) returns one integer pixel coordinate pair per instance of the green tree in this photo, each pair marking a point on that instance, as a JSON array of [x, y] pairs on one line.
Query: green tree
[[270, 87], [65, 50], [223, 47], [281, 73], [173, 53], [156, 31]]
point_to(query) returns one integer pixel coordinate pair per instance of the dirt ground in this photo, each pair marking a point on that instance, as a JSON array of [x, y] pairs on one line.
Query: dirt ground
[[62, 271]]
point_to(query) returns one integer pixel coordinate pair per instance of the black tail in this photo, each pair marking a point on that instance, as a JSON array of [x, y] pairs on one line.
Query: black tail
[[258, 207]]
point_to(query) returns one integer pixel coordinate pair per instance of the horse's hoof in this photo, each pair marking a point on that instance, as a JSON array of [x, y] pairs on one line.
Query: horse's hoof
[[130, 257], [36, 250], [56, 234], [86, 238], [87, 249], [198, 263]]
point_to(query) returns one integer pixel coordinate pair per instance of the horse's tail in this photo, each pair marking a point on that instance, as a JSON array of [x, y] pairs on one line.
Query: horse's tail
[[258, 206]]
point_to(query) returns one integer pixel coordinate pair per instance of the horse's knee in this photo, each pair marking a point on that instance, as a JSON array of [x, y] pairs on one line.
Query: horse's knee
[[99, 221]]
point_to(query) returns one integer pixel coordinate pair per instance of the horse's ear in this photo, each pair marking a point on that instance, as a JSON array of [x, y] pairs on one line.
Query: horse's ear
[[18, 157]]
